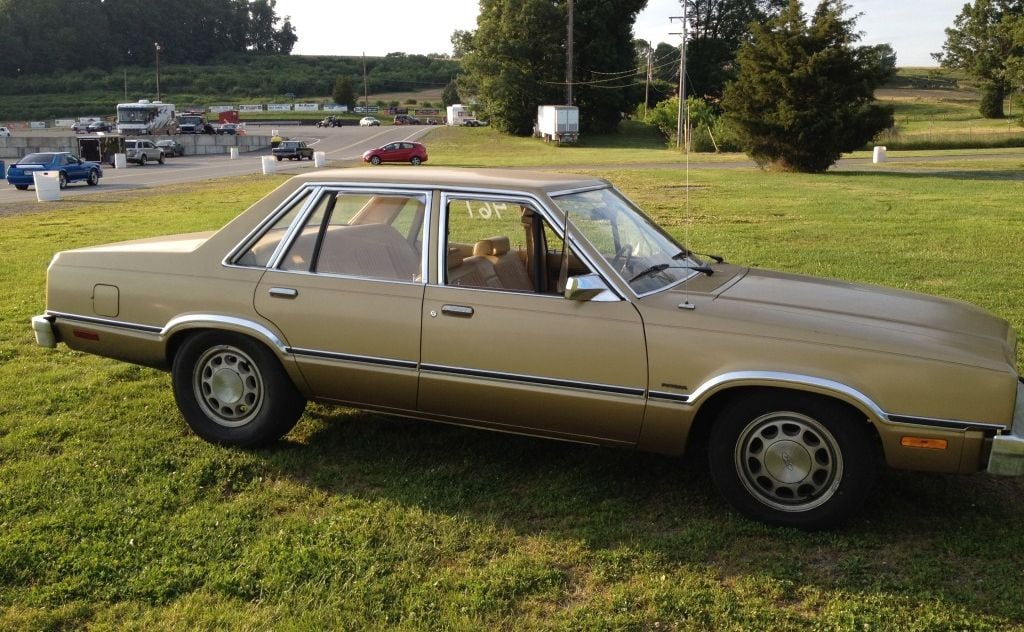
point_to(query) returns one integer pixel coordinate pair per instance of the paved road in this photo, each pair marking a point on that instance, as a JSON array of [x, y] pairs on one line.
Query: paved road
[[341, 144]]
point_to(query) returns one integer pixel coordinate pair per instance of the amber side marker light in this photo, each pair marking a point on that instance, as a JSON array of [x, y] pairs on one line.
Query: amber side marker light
[[927, 444]]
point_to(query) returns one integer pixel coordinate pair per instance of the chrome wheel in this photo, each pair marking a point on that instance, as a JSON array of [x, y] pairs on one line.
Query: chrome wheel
[[789, 461], [228, 386]]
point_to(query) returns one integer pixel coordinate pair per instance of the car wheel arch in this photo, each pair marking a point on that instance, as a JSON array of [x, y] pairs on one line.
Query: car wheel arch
[[713, 403], [178, 331]]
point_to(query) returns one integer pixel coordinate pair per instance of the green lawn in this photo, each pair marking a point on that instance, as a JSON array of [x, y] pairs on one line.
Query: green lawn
[[114, 516]]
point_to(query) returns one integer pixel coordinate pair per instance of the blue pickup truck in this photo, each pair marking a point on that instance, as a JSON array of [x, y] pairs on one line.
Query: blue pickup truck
[[71, 167]]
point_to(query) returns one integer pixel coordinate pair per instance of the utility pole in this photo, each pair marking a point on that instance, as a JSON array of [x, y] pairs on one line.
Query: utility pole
[[366, 97], [568, 56], [157, 45], [682, 131], [647, 82]]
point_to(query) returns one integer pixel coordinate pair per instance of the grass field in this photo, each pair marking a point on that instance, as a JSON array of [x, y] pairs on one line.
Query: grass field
[[113, 516]]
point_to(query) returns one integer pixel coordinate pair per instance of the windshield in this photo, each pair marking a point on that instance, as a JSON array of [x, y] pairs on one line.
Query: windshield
[[191, 120], [135, 114], [628, 240]]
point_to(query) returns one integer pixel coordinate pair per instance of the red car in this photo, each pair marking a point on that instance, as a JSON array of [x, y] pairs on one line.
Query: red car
[[402, 151]]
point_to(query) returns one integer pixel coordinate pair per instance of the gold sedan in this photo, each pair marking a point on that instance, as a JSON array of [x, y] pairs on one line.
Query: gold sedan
[[455, 296]]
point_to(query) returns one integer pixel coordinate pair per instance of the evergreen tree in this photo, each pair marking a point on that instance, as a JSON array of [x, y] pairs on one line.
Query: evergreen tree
[[343, 93], [987, 42], [450, 96], [805, 93]]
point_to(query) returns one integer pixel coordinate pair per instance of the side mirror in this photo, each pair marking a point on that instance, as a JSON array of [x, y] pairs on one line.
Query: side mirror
[[584, 288]]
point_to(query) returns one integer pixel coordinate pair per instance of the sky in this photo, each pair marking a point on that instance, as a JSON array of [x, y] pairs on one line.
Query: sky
[[915, 28]]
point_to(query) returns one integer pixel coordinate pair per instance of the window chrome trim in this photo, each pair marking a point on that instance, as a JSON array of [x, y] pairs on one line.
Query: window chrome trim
[[537, 380], [575, 243], [350, 277], [265, 224]]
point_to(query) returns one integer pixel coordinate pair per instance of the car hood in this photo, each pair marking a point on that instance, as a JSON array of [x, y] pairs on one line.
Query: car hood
[[763, 303]]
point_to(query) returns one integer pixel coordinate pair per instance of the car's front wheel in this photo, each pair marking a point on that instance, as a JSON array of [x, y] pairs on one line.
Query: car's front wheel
[[792, 459], [232, 390], [21, 187], [93, 179], [375, 160]]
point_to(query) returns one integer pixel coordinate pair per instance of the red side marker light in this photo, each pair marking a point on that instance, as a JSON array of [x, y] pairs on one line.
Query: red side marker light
[[86, 335]]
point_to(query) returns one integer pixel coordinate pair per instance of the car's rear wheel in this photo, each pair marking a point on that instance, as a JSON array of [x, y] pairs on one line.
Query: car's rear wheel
[[142, 160], [415, 161], [375, 160], [21, 187], [232, 390], [94, 178], [280, 158], [63, 179], [792, 459]]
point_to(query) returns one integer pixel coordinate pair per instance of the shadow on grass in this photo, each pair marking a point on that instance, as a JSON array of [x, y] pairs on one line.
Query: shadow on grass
[[917, 537]]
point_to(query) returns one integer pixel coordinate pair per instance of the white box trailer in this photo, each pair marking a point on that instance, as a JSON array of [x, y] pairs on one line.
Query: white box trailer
[[457, 114], [559, 123]]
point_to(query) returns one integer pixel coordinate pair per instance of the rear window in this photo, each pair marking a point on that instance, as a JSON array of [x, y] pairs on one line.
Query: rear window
[[32, 159]]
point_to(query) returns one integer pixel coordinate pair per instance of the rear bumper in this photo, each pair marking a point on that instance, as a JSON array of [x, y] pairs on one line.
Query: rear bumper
[[46, 333], [1007, 457]]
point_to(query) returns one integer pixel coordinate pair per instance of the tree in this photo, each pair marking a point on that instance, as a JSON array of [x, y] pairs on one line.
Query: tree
[[450, 96], [804, 93], [985, 40], [343, 93], [515, 61]]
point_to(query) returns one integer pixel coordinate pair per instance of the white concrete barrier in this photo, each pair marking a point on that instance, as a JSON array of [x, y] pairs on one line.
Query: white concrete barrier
[[47, 185], [120, 161], [274, 132], [234, 152], [879, 155], [269, 165], [320, 158]]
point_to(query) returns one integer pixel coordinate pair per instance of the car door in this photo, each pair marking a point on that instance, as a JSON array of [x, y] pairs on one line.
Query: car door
[[526, 359], [346, 290]]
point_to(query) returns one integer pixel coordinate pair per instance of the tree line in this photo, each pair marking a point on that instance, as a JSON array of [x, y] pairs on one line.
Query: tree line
[[45, 36]]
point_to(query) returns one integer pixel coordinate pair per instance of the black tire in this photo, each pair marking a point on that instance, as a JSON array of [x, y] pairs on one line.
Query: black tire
[[161, 158], [280, 158], [375, 160], [233, 391], [93, 179], [62, 178], [792, 459], [142, 160], [416, 161], [21, 187]]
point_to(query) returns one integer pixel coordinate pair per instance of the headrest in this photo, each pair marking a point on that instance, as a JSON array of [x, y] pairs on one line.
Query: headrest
[[454, 258], [493, 247]]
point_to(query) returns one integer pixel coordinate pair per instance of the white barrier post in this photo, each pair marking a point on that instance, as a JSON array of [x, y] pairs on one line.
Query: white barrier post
[[274, 132], [47, 185], [269, 165], [319, 158], [234, 153], [879, 155], [120, 161]]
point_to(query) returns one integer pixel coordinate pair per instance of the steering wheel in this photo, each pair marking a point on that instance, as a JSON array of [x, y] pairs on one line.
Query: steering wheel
[[622, 258]]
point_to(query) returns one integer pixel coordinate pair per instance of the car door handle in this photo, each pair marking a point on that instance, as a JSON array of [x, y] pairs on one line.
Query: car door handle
[[464, 311], [283, 292]]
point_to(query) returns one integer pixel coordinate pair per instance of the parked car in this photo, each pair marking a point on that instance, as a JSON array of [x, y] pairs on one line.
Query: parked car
[[4, 132], [99, 126], [330, 121], [405, 119], [171, 148], [143, 151], [71, 168], [403, 151], [228, 128], [450, 295], [292, 150], [369, 121], [79, 127], [472, 122]]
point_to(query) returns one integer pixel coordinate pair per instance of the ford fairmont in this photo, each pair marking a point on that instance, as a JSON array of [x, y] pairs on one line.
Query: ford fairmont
[[548, 305]]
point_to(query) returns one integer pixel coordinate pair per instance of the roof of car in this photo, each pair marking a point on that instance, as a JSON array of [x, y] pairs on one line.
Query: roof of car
[[505, 179]]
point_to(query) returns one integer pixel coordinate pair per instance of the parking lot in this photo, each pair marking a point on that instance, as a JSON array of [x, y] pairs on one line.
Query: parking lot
[[341, 144]]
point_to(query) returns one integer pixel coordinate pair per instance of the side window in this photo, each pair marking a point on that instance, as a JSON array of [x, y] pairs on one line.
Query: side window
[[361, 234], [500, 245], [259, 254]]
